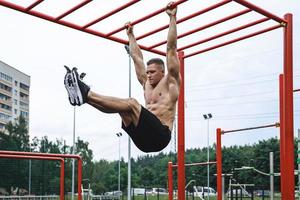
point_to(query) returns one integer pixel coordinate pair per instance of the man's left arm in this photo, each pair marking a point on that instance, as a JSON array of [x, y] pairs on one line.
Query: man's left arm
[[172, 57]]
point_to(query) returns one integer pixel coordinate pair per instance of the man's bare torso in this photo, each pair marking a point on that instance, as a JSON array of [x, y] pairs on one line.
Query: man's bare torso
[[161, 100]]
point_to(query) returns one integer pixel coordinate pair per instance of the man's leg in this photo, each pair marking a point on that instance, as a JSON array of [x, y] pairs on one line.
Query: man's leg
[[129, 109]]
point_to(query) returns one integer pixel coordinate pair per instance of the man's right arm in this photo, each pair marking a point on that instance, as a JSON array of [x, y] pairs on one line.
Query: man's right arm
[[136, 55]]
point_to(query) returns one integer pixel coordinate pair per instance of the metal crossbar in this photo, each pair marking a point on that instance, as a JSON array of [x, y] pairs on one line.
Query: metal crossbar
[[32, 9]]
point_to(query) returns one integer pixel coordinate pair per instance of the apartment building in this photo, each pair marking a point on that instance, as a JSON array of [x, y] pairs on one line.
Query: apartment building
[[14, 94]]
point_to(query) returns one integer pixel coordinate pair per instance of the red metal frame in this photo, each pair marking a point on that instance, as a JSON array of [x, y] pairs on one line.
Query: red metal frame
[[219, 133], [288, 113], [181, 136], [286, 22], [62, 166], [53, 156], [170, 174]]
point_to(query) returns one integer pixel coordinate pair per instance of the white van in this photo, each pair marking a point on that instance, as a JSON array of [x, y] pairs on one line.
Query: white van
[[203, 191], [138, 191], [155, 191]]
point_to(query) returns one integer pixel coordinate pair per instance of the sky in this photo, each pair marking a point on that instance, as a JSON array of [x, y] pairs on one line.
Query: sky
[[237, 84]]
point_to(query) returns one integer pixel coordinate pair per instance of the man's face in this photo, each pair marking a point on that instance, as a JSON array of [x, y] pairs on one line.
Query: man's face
[[154, 73]]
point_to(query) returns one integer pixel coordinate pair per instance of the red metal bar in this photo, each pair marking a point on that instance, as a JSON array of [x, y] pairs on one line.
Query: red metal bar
[[282, 138], [170, 182], [72, 9], [288, 108], [79, 162], [110, 13], [62, 175], [261, 11], [204, 27], [252, 128], [185, 18], [224, 33], [196, 164], [74, 26], [234, 40], [144, 18], [79, 174], [34, 5], [219, 163], [62, 180], [181, 137]]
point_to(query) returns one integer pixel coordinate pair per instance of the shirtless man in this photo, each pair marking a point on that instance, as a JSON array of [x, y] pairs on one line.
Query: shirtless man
[[149, 127]]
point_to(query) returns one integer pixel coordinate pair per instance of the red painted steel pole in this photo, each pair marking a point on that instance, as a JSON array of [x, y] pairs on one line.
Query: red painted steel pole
[[288, 108], [34, 4], [201, 28], [170, 182], [184, 19], [62, 180], [219, 163], [224, 33], [74, 26], [79, 172], [110, 13], [260, 10], [234, 40], [144, 18], [72, 9], [282, 140], [181, 140]]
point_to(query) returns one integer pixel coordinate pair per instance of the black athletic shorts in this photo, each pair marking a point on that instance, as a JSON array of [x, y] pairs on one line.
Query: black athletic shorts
[[150, 135]]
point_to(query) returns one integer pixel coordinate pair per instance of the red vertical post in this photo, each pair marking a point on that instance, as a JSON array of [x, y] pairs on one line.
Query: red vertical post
[[62, 179], [282, 140], [170, 182], [79, 178], [219, 163], [289, 183], [181, 142]]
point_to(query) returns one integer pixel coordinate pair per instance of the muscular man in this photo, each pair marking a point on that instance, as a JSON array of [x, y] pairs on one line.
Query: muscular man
[[149, 127]]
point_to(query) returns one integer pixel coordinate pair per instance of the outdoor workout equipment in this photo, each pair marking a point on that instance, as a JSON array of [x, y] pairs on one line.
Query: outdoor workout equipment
[[170, 174], [219, 151], [286, 100], [48, 156]]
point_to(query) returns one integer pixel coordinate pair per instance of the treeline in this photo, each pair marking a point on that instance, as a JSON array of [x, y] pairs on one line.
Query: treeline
[[147, 171]]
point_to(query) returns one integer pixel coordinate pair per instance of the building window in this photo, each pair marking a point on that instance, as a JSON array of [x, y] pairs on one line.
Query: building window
[[5, 77], [24, 87], [24, 114], [4, 106], [16, 83], [16, 101], [5, 87], [5, 97], [5, 117], [16, 111], [16, 92]]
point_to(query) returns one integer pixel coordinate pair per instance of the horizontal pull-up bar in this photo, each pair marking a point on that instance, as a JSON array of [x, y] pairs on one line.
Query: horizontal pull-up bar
[[196, 164], [34, 4], [110, 13], [252, 128], [144, 18], [261, 11], [185, 19], [296, 90], [234, 40], [72, 9], [224, 33], [205, 26]]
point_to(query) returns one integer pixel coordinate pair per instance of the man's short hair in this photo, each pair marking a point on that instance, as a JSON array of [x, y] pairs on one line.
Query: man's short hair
[[157, 61]]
